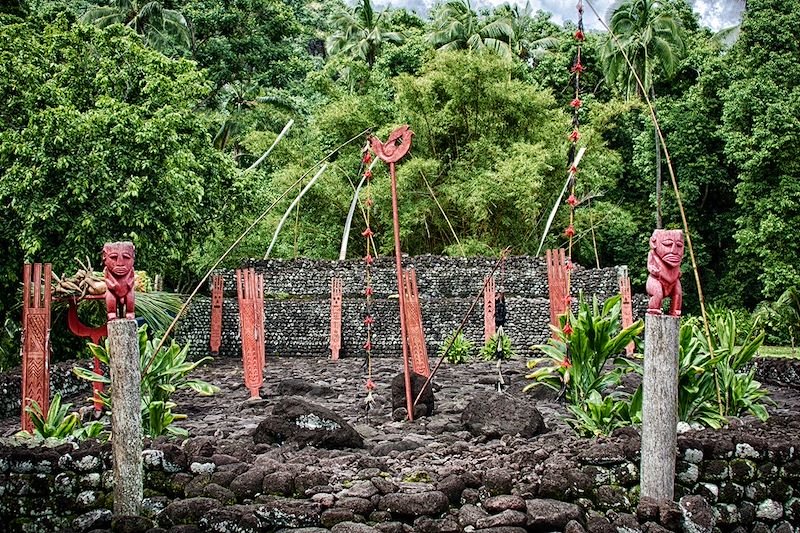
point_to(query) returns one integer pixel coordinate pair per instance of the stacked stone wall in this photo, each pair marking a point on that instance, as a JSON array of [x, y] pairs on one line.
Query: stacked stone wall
[[297, 303]]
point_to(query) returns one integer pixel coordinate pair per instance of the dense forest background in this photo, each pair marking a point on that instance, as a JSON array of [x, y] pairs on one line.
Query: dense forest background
[[142, 120]]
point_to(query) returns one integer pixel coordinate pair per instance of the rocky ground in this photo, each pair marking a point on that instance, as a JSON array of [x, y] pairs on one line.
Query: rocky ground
[[443, 477]]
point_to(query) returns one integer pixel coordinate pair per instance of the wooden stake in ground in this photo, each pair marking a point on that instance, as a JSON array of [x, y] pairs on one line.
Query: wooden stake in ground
[[126, 416], [660, 406]]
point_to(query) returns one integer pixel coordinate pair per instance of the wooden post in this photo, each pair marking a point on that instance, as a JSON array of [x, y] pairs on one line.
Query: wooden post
[[660, 406], [217, 286], [35, 339], [336, 318], [488, 309], [126, 416]]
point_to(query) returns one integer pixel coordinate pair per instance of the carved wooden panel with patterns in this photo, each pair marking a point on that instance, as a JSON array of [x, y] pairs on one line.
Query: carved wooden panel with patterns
[[250, 292], [35, 339], [557, 284], [336, 317], [416, 335], [488, 309], [627, 306], [216, 313]]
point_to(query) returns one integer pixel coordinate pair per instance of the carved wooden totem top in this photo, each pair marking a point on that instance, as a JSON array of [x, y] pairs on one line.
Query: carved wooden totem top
[[664, 268], [119, 277]]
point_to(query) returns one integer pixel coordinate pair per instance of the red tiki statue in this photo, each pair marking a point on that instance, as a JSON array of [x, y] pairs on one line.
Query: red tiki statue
[[664, 267], [118, 272]]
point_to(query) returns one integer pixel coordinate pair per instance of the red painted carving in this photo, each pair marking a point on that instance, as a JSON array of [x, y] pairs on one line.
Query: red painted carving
[[336, 317], [488, 309], [119, 277], [416, 335], [35, 339], [396, 146], [627, 305], [217, 284], [557, 284], [88, 332], [250, 290], [664, 266]]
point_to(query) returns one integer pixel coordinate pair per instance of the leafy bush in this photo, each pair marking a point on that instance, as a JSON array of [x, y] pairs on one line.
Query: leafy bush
[[489, 351], [600, 415], [578, 359], [713, 382], [460, 348], [781, 319], [167, 373], [58, 423]]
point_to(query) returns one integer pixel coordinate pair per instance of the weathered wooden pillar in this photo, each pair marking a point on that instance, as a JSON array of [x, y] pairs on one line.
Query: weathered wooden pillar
[[627, 304], [126, 416], [414, 332], [557, 284], [660, 406], [250, 288]]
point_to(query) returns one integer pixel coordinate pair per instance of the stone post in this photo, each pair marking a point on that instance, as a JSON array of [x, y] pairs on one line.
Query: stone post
[[660, 406], [126, 416]]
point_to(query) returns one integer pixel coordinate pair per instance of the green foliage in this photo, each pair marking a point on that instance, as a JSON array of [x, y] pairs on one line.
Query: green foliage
[[361, 33], [577, 360], [760, 109], [600, 415], [458, 27], [782, 318], [167, 373], [713, 383], [489, 352], [459, 348], [10, 338], [59, 423]]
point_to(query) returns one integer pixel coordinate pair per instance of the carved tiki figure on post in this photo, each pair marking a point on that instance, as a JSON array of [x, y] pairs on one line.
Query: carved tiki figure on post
[[119, 276], [664, 267]]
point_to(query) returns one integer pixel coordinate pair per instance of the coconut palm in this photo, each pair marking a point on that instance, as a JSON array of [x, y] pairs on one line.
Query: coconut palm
[[360, 33], [652, 40], [160, 28], [523, 24], [458, 27]]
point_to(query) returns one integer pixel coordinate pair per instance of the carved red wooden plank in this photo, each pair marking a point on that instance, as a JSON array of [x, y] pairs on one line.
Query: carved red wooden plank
[[488, 309], [336, 317], [35, 339], [557, 284], [217, 284], [627, 305], [251, 328], [415, 333]]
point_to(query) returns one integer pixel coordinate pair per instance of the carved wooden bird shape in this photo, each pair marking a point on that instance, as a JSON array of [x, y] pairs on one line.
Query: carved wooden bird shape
[[392, 151]]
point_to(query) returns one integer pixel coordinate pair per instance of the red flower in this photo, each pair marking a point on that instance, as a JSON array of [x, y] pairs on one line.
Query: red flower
[[367, 157], [369, 259], [567, 329], [576, 103], [573, 169], [566, 363], [369, 320], [568, 300], [370, 384], [367, 233], [368, 292], [368, 345], [570, 231], [574, 136], [577, 67], [370, 202], [572, 200], [368, 174], [569, 266], [579, 35]]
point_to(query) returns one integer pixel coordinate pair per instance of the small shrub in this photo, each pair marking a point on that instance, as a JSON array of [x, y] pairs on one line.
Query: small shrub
[[460, 348], [59, 423], [489, 351]]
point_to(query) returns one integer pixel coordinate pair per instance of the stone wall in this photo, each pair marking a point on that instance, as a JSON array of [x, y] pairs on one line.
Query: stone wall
[[297, 303], [726, 481]]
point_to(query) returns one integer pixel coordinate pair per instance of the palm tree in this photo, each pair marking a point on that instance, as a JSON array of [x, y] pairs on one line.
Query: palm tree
[[652, 40], [360, 34], [523, 24], [458, 27], [161, 28]]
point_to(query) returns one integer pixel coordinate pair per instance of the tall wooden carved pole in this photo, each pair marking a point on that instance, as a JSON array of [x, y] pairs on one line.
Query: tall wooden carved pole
[[396, 146], [660, 382], [126, 379]]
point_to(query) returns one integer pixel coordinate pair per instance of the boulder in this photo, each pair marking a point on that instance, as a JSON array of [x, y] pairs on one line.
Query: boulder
[[188, 511], [493, 415], [551, 515], [425, 405], [429, 503], [296, 420]]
